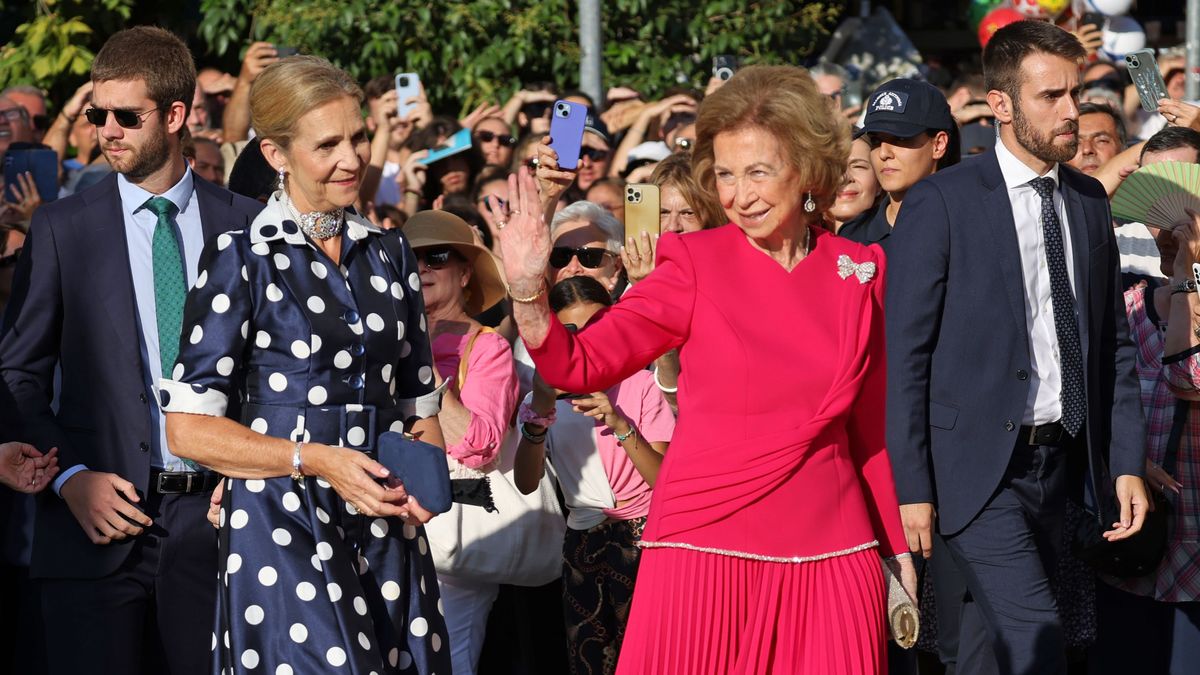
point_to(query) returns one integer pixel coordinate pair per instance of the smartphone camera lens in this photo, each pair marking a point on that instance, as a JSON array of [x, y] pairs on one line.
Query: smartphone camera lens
[[561, 110], [724, 73], [404, 82], [1133, 62]]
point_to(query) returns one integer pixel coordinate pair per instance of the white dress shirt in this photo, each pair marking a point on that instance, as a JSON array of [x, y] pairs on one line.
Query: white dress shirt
[[1044, 403]]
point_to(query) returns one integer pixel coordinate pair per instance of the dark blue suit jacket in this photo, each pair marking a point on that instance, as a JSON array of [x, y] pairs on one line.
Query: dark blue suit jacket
[[958, 344], [73, 307]]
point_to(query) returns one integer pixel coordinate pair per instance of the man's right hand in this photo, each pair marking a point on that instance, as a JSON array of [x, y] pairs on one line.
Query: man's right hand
[[918, 522], [258, 57], [104, 505]]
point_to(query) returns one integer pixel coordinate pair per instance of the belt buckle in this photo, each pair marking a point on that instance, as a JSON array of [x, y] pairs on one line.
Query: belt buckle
[[187, 487], [159, 485], [1033, 432]]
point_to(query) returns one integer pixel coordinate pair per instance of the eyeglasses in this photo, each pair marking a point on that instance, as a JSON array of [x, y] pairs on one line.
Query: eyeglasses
[[488, 136], [436, 257], [591, 258], [14, 114], [594, 154], [126, 119]]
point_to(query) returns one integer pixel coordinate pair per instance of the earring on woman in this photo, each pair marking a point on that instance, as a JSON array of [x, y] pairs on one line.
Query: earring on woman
[[281, 175], [809, 204]]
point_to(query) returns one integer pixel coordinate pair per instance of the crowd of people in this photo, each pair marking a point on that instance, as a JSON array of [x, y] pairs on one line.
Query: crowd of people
[[894, 355]]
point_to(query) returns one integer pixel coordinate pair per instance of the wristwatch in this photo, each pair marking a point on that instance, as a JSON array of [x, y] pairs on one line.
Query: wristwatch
[[1185, 286]]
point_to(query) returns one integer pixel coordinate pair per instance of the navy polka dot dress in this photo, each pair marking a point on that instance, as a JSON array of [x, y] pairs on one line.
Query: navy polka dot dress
[[305, 348]]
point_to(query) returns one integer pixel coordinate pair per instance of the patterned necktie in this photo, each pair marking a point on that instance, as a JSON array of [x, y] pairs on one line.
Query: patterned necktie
[[1066, 326], [170, 283]]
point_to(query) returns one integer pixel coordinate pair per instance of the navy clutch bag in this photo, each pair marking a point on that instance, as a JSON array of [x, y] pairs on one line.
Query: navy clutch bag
[[420, 466]]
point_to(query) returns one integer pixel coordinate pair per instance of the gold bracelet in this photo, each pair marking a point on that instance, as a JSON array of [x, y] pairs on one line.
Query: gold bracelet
[[531, 298]]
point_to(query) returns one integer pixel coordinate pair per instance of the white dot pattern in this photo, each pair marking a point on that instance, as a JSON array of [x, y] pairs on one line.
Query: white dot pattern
[[272, 323]]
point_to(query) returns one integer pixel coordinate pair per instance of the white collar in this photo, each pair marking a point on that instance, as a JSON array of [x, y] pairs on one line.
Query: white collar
[[1016, 173], [277, 221], [134, 197]]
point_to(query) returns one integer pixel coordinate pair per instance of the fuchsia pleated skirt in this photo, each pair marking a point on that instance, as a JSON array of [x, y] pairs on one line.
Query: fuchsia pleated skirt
[[697, 613]]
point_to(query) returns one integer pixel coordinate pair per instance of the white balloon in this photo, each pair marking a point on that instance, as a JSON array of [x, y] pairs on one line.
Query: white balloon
[[1122, 35], [1110, 7]]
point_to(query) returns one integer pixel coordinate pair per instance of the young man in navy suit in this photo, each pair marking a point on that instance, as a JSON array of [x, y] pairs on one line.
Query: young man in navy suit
[[1009, 363], [125, 558]]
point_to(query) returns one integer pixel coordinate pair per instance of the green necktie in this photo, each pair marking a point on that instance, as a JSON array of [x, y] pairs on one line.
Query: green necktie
[[170, 283], [170, 288]]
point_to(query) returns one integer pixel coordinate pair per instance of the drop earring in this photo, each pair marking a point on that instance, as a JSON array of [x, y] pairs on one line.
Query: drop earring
[[282, 173], [809, 204]]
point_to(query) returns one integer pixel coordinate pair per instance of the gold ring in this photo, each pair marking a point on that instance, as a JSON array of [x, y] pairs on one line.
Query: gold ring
[[501, 224]]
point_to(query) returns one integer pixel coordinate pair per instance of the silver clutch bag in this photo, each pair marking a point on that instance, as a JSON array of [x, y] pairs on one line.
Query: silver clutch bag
[[904, 621]]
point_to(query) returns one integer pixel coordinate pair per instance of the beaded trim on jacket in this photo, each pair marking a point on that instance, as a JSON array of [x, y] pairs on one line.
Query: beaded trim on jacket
[[755, 556]]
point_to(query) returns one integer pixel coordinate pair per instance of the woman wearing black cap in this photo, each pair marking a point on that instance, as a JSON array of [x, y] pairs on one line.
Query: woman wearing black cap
[[912, 135]]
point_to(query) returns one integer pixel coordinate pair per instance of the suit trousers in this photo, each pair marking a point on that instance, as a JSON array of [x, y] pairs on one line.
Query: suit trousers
[[1008, 619], [154, 614]]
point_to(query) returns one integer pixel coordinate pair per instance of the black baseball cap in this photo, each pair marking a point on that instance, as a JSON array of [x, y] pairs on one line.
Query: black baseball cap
[[904, 108]]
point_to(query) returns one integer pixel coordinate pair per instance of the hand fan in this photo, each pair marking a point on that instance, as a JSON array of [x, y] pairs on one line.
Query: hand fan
[[1158, 194]]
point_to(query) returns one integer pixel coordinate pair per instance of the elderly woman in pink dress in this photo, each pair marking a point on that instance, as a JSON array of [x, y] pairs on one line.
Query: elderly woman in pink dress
[[774, 514]]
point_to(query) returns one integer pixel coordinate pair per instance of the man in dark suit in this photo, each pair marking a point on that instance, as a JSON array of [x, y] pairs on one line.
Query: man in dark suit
[[125, 558], [1009, 364]]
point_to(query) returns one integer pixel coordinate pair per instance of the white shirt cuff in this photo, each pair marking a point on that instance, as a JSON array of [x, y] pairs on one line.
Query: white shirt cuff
[[62, 477]]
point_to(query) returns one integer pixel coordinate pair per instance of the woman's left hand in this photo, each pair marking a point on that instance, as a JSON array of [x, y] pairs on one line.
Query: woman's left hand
[[411, 511], [1180, 114], [598, 407]]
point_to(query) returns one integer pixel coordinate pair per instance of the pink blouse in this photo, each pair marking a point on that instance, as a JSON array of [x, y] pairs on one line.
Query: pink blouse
[[491, 393]]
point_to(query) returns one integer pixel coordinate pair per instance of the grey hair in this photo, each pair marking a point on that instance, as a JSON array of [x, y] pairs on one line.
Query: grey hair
[[596, 215], [24, 89], [829, 68]]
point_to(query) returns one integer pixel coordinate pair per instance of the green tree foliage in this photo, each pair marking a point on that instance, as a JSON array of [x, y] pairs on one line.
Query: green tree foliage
[[54, 45], [472, 50]]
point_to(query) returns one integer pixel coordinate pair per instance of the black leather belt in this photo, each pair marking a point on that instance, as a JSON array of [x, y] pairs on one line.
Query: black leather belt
[[1045, 434], [183, 482]]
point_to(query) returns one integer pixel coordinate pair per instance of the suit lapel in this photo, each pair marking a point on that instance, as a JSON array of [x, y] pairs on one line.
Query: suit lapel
[[104, 224], [999, 216], [1081, 245]]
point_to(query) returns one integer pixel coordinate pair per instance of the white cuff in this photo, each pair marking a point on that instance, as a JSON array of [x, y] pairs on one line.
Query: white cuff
[[62, 477], [196, 399], [423, 406]]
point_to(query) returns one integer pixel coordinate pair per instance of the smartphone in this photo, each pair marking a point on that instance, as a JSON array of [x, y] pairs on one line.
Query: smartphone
[[460, 141], [42, 163], [642, 210], [1094, 18], [566, 132], [284, 52], [408, 85], [1143, 70], [724, 66]]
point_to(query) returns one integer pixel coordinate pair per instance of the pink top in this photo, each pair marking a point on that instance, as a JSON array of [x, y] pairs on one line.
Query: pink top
[[491, 392], [779, 450]]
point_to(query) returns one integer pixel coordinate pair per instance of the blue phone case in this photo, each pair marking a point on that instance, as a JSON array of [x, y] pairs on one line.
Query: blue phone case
[[420, 466], [42, 163], [460, 141], [408, 85], [566, 132]]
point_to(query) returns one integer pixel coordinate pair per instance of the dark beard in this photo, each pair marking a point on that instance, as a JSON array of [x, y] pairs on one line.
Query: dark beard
[[1043, 147], [149, 158]]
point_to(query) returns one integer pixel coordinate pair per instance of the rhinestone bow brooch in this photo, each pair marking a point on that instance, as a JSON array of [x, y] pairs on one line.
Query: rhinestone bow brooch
[[846, 267]]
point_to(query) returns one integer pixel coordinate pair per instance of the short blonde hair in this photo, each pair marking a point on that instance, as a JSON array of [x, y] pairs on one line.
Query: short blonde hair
[[784, 102], [287, 89]]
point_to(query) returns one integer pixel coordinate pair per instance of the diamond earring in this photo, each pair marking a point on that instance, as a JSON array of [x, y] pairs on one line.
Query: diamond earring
[[281, 175], [809, 204]]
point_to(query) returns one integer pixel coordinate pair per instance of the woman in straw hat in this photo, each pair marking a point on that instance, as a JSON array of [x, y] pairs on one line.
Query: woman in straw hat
[[459, 280]]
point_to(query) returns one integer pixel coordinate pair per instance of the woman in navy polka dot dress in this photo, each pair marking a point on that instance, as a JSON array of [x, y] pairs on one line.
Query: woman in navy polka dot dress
[[311, 326]]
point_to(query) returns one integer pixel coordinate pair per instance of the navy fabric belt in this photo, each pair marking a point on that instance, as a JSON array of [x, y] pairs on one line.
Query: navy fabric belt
[[352, 425]]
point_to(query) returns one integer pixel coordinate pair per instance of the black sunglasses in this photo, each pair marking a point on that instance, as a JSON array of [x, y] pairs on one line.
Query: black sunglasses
[[594, 154], [489, 136], [591, 258], [436, 257], [126, 119]]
